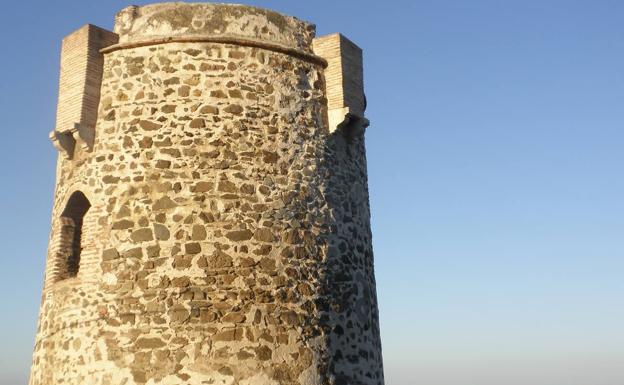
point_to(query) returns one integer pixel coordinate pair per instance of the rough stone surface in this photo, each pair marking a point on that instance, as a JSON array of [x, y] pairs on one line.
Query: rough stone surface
[[221, 232], [204, 19]]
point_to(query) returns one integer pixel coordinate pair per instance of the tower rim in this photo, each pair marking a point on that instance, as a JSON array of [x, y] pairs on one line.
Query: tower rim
[[200, 20]]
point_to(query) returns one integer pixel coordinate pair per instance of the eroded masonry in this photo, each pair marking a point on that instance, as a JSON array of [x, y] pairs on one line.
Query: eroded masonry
[[211, 221]]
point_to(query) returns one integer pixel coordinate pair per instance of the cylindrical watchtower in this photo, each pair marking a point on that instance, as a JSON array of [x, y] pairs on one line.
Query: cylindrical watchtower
[[211, 217]]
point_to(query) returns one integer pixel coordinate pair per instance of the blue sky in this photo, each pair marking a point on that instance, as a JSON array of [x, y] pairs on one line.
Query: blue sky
[[496, 178]]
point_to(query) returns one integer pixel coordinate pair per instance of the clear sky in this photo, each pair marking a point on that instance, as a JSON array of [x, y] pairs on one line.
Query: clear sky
[[496, 163]]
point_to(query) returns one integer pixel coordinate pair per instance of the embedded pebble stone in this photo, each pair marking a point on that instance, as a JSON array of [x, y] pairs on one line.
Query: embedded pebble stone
[[198, 233], [192, 248], [142, 235], [239, 235], [149, 126], [110, 254], [197, 123], [264, 235], [161, 232]]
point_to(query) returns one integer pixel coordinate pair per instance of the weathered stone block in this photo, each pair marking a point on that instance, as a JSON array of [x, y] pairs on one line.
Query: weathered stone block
[[239, 235]]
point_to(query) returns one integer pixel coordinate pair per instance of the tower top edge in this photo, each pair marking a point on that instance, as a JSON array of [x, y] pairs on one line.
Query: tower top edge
[[173, 19]]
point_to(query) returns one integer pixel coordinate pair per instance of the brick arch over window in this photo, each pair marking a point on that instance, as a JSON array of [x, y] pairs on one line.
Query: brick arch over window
[[72, 221]]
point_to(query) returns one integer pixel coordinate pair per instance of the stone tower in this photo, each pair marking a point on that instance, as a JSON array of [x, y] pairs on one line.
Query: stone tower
[[211, 222]]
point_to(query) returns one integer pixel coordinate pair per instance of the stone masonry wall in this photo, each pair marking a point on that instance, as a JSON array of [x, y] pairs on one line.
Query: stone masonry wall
[[228, 239]]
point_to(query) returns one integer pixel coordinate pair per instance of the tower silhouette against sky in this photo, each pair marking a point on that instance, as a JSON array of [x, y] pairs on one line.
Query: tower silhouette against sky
[[211, 222]]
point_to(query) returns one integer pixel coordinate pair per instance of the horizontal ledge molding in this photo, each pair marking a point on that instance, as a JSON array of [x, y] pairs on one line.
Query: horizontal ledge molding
[[222, 39]]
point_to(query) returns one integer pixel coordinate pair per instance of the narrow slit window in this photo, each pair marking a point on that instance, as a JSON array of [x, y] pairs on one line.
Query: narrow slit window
[[72, 219]]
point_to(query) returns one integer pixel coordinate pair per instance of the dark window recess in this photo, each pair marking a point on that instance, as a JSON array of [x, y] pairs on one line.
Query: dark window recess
[[77, 207]]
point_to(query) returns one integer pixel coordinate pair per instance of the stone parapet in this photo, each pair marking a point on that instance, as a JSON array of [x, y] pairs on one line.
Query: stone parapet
[[79, 88], [344, 81], [171, 20]]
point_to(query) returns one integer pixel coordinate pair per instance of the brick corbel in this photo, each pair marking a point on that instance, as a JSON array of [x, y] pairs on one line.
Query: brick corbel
[[64, 143], [342, 117], [84, 135]]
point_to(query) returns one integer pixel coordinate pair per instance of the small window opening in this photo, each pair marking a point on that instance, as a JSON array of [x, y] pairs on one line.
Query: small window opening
[[72, 218]]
